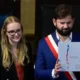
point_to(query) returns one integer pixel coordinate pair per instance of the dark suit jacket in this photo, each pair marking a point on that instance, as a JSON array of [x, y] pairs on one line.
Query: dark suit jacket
[[45, 60], [11, 72]]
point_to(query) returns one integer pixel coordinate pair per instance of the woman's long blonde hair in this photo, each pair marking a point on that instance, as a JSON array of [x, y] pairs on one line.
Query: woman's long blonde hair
[[5, 46]]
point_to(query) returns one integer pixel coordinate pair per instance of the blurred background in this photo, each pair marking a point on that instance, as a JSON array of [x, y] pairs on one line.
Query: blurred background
[[36, 18]]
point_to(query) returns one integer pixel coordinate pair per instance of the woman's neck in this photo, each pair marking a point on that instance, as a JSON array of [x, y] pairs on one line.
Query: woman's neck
[[12, 44]]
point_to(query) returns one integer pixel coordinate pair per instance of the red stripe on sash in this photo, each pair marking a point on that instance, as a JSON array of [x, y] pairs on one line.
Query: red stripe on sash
[[51, 47], [56, 55]]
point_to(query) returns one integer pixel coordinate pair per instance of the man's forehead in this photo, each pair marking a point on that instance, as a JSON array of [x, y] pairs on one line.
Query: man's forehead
[[65, 20]]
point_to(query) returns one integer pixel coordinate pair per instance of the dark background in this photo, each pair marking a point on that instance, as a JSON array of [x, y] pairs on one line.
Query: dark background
[[9, 7]]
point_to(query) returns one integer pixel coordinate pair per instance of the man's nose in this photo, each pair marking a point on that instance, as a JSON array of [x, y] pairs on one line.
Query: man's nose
[[66, 25]]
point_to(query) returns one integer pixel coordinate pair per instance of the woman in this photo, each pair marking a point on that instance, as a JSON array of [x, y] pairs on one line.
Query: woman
[[14, 58]]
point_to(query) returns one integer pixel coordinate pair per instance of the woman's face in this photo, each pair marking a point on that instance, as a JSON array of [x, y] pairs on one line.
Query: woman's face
[[14, 32]]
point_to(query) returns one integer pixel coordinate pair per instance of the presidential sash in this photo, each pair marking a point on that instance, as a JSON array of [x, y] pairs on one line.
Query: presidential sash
[[54, 49]]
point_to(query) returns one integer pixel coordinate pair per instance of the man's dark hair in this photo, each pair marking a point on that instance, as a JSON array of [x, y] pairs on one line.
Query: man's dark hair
[[63, 10]]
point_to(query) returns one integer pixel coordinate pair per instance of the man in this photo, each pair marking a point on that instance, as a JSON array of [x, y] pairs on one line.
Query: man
[[47, 66]]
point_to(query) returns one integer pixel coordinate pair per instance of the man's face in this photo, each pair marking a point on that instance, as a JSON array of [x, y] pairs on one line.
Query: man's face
[[64, 25]]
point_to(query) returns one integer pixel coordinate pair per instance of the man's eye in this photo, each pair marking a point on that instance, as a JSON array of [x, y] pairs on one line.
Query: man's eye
[[68, 22], [62, 22]]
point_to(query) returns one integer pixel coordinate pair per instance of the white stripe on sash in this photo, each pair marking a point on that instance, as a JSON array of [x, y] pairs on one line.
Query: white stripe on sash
[[56, 48], [53, 42]]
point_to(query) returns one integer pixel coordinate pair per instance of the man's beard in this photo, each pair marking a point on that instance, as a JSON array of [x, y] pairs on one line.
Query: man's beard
[[64, 32]]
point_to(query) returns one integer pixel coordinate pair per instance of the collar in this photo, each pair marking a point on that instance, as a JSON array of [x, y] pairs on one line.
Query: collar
[[69, 38]]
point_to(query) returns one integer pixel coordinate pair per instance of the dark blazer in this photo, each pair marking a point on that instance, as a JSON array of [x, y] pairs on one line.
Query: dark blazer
[[45, 60], [11, 74]]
